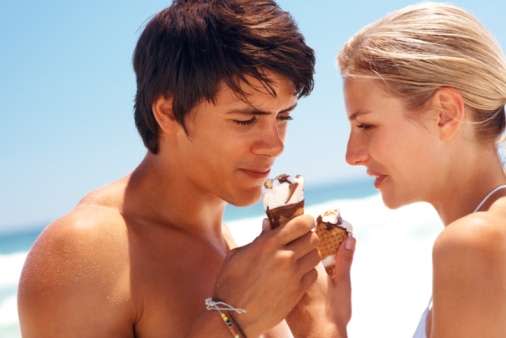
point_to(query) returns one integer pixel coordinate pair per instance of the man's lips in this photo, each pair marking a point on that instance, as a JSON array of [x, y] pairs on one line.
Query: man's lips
[[256, 173]]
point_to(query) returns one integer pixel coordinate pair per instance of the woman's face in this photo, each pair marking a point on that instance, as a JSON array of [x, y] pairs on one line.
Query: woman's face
[[398, 147]]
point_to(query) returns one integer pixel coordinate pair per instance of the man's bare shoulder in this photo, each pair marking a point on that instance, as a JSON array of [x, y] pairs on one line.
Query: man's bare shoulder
[[110, 196], [80, 261], [94, 229], [80, 246]]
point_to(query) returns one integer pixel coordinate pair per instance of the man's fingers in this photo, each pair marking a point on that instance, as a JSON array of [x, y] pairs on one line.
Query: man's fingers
[[344, 259], [308, 262], [295, 228], [304, 245], [308, 279]]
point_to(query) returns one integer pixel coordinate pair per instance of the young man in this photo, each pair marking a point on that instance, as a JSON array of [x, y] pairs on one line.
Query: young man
[[216, 83]]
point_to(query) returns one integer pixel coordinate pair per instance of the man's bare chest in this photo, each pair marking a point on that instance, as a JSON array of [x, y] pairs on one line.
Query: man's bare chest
[[171, 291]]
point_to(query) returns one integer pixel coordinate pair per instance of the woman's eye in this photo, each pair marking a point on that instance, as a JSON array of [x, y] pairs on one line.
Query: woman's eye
[[246, 122], [364, 126]]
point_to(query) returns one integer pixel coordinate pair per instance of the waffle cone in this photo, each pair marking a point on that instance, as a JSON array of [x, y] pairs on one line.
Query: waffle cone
[[281, 215], [330, 270], [330, 240]]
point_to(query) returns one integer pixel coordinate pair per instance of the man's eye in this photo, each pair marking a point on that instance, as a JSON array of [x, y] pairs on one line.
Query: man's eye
[[285, 118], [246, 122]]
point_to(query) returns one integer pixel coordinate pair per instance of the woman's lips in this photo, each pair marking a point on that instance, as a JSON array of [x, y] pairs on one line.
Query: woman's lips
[[379, 179]]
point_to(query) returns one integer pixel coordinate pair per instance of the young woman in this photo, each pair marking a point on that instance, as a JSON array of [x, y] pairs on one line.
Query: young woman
[[425, 89]]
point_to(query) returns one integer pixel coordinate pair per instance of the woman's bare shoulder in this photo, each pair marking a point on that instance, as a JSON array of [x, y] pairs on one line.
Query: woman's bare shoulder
[[469, 261], [484, 232], [498, 210], [470, 248]]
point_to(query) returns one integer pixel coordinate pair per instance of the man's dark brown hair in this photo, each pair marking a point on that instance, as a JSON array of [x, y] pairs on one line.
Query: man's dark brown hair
[[189, 48]]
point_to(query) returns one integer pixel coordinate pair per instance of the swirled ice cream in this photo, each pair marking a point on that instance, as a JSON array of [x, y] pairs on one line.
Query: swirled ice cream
[[283, 198]]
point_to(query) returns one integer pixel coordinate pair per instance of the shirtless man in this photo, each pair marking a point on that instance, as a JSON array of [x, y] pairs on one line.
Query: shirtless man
[[216, 83]]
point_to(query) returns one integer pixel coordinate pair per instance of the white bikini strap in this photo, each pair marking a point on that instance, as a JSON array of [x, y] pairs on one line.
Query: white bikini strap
[[503, 186]]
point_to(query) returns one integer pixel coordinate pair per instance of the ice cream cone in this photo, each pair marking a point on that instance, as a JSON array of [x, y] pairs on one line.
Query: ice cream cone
[[283, 199], [332, 230]]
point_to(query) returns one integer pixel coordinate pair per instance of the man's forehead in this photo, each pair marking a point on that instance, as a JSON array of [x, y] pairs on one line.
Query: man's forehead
[[236, 104], [253, 94], [248, 85]]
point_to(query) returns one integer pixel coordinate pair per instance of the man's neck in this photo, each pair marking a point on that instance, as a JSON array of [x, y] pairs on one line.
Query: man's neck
[[160, 193]]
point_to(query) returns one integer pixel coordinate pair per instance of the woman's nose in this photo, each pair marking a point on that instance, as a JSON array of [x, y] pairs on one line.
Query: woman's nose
[[356, 151]]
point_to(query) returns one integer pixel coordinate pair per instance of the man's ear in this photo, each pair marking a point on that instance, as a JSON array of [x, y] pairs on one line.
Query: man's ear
[[162, 111], [450, 112]]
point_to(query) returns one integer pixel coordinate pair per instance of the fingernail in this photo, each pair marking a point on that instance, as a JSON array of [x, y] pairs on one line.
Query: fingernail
[[349, 243], [266, 225]]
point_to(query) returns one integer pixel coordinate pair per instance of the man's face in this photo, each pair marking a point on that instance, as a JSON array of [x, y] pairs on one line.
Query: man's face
[[231, 145]]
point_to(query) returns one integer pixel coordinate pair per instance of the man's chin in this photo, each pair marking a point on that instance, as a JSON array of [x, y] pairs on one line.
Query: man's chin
[[245, 197]]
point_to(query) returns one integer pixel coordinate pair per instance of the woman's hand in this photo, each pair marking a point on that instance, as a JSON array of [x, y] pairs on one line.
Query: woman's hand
[[325, 309], [340, 284]]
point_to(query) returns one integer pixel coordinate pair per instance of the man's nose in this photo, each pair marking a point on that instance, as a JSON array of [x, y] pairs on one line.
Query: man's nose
[[271, 143], [356, 151]]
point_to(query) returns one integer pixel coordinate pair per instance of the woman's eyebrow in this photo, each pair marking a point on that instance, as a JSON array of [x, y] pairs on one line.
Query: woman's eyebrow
[[357, 114]]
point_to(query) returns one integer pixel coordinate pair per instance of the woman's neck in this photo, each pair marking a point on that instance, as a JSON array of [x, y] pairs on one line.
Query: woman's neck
[[468, 184]]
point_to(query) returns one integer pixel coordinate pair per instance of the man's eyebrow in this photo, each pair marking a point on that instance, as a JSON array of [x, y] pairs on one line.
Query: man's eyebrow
[[254, 111], [357, 114]]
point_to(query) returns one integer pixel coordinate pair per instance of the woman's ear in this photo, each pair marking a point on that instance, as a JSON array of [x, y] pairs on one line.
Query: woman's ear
[[449, 105], [164, 116]]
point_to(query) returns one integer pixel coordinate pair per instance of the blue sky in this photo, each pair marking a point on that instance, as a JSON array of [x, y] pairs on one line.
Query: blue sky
[[67, 88]]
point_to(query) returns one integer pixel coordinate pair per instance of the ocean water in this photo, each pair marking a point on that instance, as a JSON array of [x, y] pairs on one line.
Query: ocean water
[[391, 273]]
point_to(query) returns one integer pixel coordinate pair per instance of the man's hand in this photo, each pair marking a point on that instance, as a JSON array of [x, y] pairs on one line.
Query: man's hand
[[325, 310], [269, 276]]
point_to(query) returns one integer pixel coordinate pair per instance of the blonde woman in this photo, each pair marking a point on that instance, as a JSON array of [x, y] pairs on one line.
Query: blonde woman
[[425, 89]]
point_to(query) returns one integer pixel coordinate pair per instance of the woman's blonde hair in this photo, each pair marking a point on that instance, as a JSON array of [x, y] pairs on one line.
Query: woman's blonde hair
[[423, 47]]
